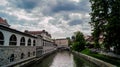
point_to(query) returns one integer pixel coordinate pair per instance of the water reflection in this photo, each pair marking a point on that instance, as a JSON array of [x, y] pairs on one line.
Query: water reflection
[[63, 59], [44, 63]]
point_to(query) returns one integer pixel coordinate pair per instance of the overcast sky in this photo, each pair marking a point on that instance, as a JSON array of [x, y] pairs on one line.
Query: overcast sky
[[59, 17]]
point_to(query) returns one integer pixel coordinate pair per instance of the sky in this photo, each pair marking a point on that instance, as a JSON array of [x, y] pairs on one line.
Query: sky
[[61, 18]]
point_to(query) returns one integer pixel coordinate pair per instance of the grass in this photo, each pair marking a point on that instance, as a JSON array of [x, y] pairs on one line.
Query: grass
[[112, 60]]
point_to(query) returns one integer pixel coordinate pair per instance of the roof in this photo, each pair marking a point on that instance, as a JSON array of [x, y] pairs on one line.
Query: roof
[[62, 39], [15, 31], [34, 32], [37, 32], [3, 22], [89, 38]]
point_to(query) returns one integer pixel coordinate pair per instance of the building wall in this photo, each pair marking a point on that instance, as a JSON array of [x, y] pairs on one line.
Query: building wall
[[11, 54], [7, 50], [39, 41], [61, 42], [39, 47], [46, 37], [48, 47]]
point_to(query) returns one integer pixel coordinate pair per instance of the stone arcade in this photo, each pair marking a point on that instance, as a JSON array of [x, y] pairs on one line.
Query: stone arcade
[[17, 46]]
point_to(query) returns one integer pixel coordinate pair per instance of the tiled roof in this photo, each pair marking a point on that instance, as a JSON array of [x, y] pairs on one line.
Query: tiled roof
[[37, 32], [3, 22], [34, 32]]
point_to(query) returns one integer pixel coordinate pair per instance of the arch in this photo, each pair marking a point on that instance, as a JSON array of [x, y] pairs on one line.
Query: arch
[[34, 43], [1, 38], [12, 58], [13, 40], [28, 54], [29, 42], [22, 41], [22, 55]]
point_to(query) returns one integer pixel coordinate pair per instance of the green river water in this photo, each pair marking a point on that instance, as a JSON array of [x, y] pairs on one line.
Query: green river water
[[63, 59]]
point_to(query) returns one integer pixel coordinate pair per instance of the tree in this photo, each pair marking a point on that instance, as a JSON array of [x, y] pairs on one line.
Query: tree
[[112, 37], [98, 18], [105, 20], [79, 41]]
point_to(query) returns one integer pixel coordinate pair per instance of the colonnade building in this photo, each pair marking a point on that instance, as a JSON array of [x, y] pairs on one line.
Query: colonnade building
[[17, 46]]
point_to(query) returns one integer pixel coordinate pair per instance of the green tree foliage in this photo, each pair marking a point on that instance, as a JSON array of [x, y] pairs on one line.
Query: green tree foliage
[[112, 28], [78, 42], [105, 20], [98, 18]]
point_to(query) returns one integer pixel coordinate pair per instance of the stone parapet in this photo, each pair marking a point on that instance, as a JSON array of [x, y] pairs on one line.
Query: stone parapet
[[98, 62]]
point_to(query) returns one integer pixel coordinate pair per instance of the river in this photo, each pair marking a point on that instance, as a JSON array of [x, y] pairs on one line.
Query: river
[[63, 59]]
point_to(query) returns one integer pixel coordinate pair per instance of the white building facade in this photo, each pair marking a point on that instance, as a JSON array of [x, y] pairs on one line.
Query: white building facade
[[16, 46]]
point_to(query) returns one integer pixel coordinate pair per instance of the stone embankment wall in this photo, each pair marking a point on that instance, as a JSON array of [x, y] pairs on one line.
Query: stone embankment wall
[[37, 59], [10, 55], [98, 62]]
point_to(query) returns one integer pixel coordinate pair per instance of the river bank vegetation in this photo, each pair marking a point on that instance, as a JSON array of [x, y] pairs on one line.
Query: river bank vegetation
[[112, 60]]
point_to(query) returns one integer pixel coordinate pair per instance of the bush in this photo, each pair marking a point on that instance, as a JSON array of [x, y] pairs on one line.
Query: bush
[[77, 46]]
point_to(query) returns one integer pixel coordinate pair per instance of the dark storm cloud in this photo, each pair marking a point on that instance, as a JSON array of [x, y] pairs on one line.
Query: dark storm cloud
[[64, 6], [75, 22], [70, 6], [27, 5], [47, 7]]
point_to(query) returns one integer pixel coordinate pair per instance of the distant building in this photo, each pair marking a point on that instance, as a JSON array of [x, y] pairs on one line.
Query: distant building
[[90, 39], [4, 22], [61, 42], [44, 34]]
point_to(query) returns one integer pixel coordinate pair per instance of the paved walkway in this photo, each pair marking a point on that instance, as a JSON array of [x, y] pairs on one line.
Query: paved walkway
[[111, 54]]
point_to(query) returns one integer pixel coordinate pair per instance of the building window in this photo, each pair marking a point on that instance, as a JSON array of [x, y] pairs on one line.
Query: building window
[[22, 55], [34, 42], [12, 58], [13, 40], [34, 53], [1, 38], [22, 41], [29, 42], [28, 54]]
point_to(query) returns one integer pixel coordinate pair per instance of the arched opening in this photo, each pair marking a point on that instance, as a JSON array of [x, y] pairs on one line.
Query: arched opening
[[13, 40], [1, 39], [29, 42], [28, 54], [34, 43], [22, 41], [22, 55], [12, 58]]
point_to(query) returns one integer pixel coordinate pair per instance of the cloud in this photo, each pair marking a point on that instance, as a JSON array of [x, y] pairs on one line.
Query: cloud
[[59, 17], [28, 5], [75, 22]]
